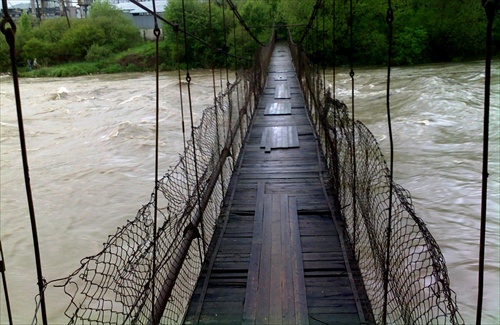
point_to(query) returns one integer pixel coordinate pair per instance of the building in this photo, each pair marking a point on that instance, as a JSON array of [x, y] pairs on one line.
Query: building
[[142, 18]]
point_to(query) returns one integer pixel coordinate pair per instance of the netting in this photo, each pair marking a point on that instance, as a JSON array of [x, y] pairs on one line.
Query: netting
[[115, 286], [418, 285]]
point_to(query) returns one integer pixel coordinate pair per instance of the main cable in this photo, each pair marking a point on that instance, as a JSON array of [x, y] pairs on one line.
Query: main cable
[[242, 22], [311, 20]]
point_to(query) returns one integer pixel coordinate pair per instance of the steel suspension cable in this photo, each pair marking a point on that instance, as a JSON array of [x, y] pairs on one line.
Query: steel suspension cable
[[334, 33], [491, 8], [156, 32], [234, 40], [4, 282], [323, 56], [8, 28], [242, 22], [334, 91], [230, 98], [216, 106], [353, 148], [389, 19], [181, 100], [195, 161], [225, 43], [311, 20]]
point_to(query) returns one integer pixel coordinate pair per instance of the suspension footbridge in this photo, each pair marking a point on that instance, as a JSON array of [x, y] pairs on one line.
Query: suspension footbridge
[[281, 210], [279, 257]]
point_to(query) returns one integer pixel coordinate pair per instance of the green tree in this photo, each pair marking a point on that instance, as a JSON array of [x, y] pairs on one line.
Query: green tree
[[198, 24], [78, 40], [120, 32], [23, 34]]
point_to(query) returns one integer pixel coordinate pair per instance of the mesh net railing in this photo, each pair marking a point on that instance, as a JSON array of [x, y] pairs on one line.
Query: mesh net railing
[[418, 285], [115, 286]]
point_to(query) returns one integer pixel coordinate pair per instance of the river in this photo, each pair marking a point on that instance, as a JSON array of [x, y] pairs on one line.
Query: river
[[90, 146]]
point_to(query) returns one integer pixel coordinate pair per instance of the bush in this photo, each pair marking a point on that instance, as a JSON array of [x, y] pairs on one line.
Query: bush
[[82, 35], [114, 68], [410, 46], [97, 52], [39, 48]]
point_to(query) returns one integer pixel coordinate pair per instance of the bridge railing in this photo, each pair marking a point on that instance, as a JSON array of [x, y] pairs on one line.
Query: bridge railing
[[115, 286], [418, 285]]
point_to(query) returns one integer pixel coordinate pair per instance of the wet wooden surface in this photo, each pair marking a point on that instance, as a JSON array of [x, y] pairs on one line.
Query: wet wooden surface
[[278, 259]]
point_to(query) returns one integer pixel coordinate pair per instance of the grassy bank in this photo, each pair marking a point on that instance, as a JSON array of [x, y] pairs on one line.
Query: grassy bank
[[137, 59]]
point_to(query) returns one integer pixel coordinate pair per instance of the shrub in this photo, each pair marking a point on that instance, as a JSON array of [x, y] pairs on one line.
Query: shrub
[[114, 68], [97, 52], [410, 46]]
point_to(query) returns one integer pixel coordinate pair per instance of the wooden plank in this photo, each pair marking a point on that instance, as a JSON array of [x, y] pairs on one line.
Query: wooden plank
[[250, 306], [301, 312], [263, 142], [276, 267], [264, 284], [288, 292], [278, 109], [282, 91], [294, 138], [284, 137], [281, 78], [343, 319], [279, 137]]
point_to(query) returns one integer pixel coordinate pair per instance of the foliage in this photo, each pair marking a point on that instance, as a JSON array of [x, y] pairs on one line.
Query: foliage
[[98, 52], [137, 59], [105, 32], [424, 31], [198, 22], [216, 25], [410, 46]]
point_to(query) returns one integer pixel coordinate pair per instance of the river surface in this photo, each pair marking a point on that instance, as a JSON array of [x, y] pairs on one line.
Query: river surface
[[91, 154]]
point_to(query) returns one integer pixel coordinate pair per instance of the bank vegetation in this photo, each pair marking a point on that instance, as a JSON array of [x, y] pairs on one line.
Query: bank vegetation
[[107, 41]]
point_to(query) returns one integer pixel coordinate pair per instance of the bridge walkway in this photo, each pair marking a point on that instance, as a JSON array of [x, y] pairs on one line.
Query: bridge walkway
[[278, 257]]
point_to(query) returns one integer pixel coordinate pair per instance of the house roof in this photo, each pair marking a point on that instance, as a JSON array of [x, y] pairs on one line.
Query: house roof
[[135, 10]]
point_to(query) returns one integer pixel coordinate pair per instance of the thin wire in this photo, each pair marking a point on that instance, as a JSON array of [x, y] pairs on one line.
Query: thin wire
[[4, 282], [390, 19], [9, 33], [311, 20], [490, 8], [334, 91], [334, 25], [216, 106], [323, 56], [236, 69], [234, 39], [188, 79], [353, 156], [157, 136], [225, 43], [242, 22], [183, 126]]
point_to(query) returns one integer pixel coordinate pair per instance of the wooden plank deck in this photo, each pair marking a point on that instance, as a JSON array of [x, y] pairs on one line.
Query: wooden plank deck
[[278, 257]]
